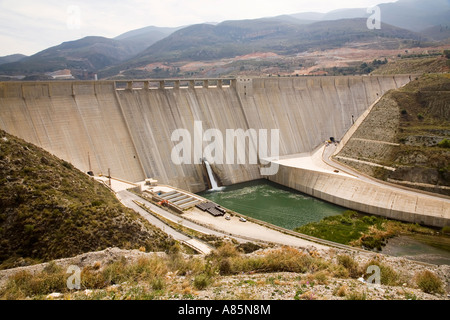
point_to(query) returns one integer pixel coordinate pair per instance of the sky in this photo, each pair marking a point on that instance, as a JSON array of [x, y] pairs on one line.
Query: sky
[[30, 26]]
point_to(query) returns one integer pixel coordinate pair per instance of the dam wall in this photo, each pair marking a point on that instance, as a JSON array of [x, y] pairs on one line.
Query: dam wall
[[153, 115], [310, 110], [127, 126], [79, 122]]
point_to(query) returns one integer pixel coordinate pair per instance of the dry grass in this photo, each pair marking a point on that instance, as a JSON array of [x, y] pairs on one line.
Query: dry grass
[[180, 276], [428, 282]]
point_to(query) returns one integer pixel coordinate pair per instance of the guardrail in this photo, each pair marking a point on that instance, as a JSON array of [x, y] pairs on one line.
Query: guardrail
[[174, 84]]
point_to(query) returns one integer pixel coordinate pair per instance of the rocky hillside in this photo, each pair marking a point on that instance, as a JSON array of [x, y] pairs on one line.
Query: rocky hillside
[[50, 210], [406, 138]]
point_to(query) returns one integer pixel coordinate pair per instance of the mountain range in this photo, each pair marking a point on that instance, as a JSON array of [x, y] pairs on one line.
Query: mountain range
[[405, 23]]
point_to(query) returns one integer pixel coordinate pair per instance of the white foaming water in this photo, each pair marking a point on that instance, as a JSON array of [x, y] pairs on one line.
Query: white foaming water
[[214, 185]]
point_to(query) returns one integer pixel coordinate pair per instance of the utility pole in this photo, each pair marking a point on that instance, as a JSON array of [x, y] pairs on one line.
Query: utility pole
[[109, 176]]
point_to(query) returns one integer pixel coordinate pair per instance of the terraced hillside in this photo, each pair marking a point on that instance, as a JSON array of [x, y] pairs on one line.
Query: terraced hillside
[[406, 138]]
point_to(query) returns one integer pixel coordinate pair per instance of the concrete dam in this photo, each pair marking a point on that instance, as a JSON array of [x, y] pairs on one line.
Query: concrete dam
[[127, 126]]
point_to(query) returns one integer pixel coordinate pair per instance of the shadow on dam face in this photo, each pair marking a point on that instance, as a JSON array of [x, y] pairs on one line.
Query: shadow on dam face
[[127, 126]]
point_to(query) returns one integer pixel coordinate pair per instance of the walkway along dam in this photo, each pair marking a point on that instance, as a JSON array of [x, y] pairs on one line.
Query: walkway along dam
[[127, 126]]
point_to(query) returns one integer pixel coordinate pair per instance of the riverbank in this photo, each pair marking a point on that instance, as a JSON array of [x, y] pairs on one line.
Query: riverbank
[[376, 233]]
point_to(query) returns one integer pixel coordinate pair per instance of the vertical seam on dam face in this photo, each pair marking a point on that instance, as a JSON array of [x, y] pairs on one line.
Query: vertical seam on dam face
[[129, 132], [301, 108]]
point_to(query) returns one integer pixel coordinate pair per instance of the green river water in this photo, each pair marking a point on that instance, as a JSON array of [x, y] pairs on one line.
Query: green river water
[[287, 208], [273, 203]]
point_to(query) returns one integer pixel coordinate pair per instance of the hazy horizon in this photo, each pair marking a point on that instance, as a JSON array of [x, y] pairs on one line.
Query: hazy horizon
[[28, 27]]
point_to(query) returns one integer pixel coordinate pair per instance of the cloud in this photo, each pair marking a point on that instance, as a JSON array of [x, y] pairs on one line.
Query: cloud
[[28, 26]]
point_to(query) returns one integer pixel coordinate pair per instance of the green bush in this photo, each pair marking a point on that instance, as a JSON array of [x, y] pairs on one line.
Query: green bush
[[446, 230], [202, 281], [158, 284], [389, 276], [447, 54], [428, 282], [23, 284], [350, 265], [92, 279], [444, 144], [355, 295]]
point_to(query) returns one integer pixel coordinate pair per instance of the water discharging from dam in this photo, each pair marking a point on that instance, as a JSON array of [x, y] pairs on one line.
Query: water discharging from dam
[[212, 179], [273, 203]]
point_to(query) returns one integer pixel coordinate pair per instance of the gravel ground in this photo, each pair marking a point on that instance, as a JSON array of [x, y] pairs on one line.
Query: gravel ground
[[254, 286]]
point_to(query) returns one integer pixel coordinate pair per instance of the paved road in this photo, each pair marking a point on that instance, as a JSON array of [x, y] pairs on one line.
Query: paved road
[[268, 235], [127, 198]]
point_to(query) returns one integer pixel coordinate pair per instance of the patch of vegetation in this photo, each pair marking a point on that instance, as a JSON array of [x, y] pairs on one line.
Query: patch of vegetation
[[146, 277], [350, 265], [180, 276], [364, 68], [428, 282], [388, 276], [435, 62], [50, 210], [352, 228], [444, 144]]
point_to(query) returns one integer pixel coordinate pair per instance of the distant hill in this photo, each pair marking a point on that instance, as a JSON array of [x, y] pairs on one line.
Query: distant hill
[[143, 38], [50, 210], [11, 58], [404, 23], [279, 35], [439, 32], [414, 15], [87, 54]]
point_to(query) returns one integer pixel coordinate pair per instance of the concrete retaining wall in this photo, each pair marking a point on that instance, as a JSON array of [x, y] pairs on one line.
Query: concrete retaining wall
[[365, 197]]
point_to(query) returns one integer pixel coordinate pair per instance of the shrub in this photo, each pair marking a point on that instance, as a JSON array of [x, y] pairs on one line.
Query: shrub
[[202, 281], [355, 295], [225, 267], [446, 229], [321, 277], [227, 250], [342, 291], [444, 144], [389, 276], [114, 273], [183, 266], [67, 165], [248, 247], [23, 284], [447, 54], [158, 284], [92, 279], [428, 282], [350, 265]]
